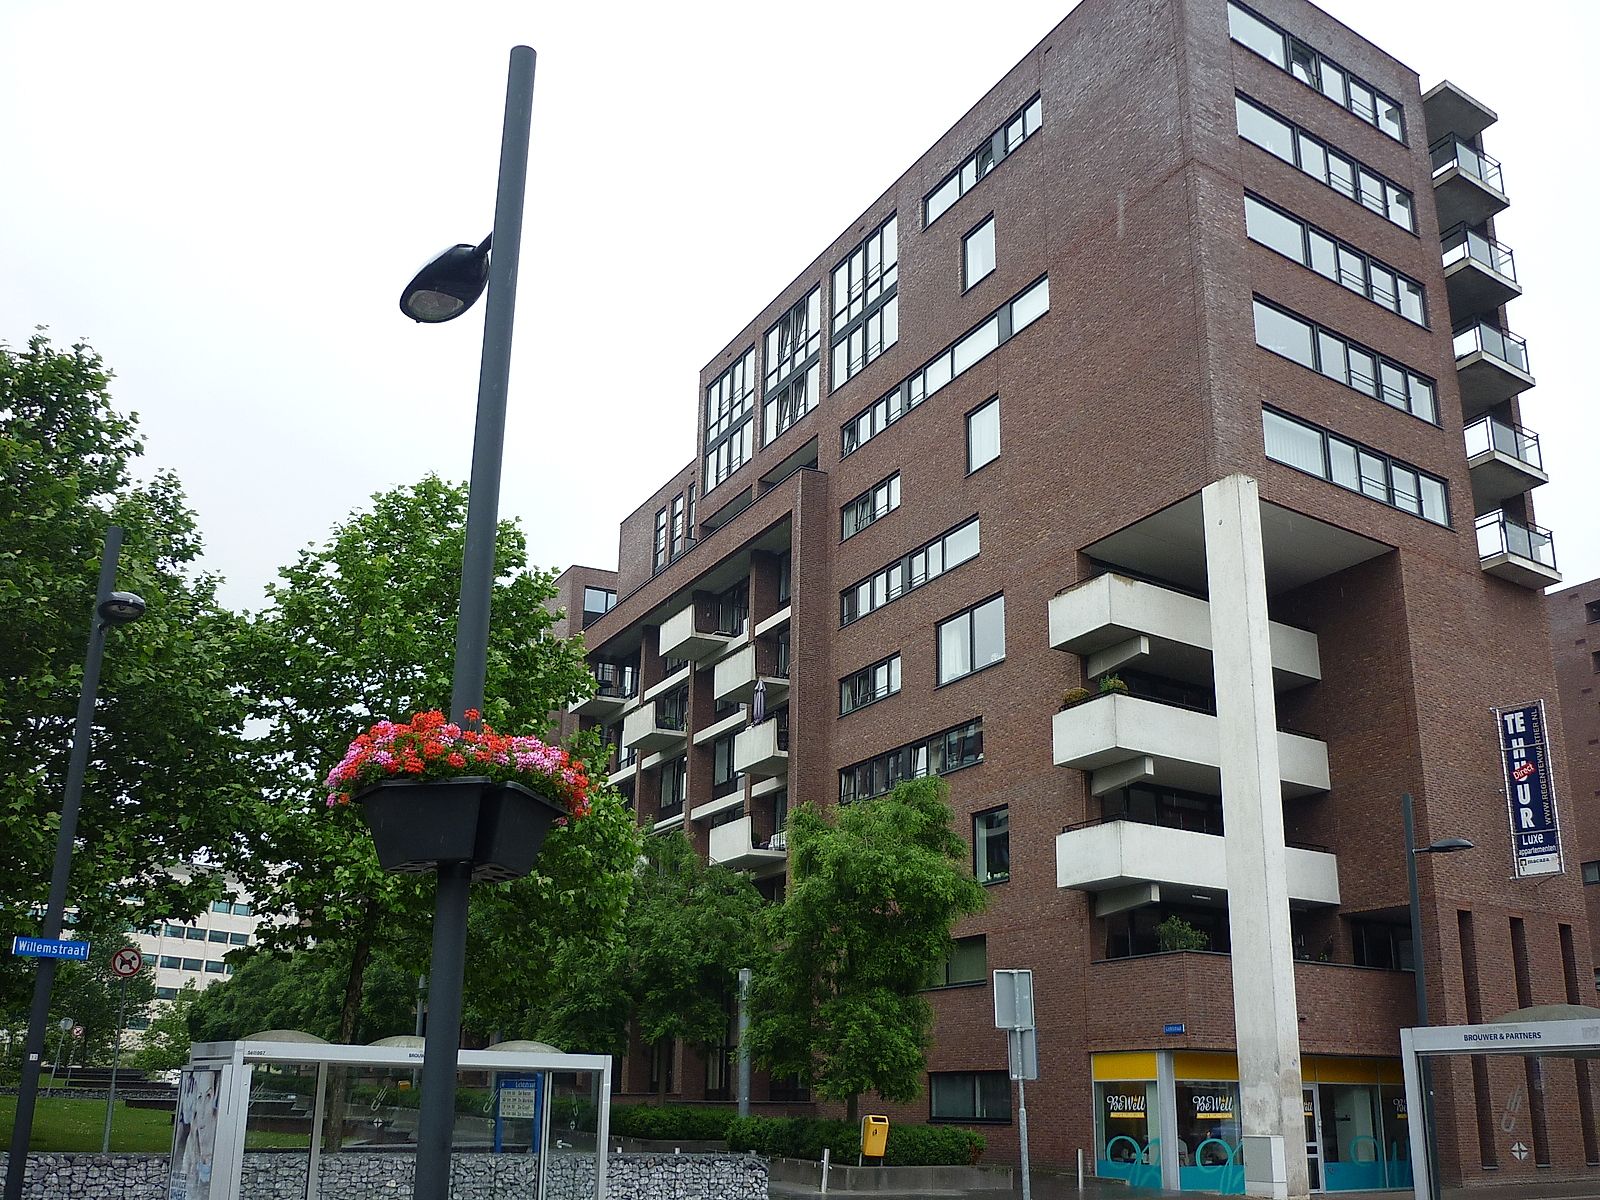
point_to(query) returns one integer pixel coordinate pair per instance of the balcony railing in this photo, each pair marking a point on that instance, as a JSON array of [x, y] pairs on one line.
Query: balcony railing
[[672, 712], [1463, 242], [1499, 534], [615, 680], [1496, 343], [1450, 151], [1489, 433]]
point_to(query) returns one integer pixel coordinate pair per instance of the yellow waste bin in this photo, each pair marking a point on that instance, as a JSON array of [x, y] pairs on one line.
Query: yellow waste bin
[[874, 1136]]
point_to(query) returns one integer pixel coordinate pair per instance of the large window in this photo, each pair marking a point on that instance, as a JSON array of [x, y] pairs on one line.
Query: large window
[[1346, 362], [866, 508], [674, 787], [1385, 944], [975, 1096], [1001, 326], [972, 640], [940, 754], [910, 572], [597, 602], [991, 845], [793, 365], [869, 685], [1336, 260], [1322, 162], [724, 779], [1317, 71], [1018, 128], [977, 254], [730, 404], [966, 961], [983, 434], [866, 305], [1354, 466]]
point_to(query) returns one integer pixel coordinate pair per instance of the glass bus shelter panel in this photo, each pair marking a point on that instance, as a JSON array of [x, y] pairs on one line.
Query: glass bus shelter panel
[[572, 1136], [278, 1128]]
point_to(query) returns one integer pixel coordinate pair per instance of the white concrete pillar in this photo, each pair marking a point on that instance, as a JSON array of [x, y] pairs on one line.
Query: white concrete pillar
[[1266, 1020]]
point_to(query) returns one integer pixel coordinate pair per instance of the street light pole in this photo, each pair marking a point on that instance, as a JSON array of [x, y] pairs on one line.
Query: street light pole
[[436, 1120], [110, 608]]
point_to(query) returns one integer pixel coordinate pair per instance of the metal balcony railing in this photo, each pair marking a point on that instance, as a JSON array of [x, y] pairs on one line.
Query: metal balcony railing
[[1463, 242], [616, 680], [1496, 343], [1450, 151], [1490, 433], [1500, 534]]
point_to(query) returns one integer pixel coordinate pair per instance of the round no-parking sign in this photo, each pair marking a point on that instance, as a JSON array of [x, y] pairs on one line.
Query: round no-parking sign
[[127, 962]]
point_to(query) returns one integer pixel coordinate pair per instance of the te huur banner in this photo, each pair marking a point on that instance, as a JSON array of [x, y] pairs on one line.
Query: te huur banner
[[1535, 832]]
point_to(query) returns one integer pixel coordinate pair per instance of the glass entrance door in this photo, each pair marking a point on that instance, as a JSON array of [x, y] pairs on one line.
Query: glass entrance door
[[1313, 1138]]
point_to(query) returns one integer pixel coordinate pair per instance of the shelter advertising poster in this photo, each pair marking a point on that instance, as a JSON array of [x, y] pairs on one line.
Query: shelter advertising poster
[[194, 1134]]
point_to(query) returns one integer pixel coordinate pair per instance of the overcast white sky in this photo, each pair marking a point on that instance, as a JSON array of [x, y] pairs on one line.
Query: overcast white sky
[[226, 199]]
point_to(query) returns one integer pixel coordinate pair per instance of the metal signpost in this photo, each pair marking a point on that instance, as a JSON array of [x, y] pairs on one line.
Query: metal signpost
[[125, 964], [1013, 1012]]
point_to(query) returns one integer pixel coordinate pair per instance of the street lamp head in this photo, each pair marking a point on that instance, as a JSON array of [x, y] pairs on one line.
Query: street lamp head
[[449, 285], [1446, 846], [121, 608]]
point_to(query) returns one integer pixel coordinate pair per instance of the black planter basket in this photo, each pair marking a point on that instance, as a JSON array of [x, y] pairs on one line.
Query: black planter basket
[[498, 827]]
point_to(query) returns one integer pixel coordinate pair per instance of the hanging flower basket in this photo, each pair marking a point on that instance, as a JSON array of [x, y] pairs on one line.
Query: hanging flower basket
[[433, 792]]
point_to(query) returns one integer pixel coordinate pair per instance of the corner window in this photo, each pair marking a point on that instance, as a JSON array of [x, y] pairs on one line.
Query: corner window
[[991, 845], [976, 1096], [972, 640], [866, 305], [983, 434], [977, 254], [730, 402], [967, 961]]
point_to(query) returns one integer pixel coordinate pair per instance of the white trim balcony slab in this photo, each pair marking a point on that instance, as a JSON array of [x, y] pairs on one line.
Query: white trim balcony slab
[[756, 752], [671, 683], [735, 678], [776, 621], [681, 637], [715, 730], [602, 705], [704, 812], [769, 787], [731, 846], [623, 774], [642, 733]]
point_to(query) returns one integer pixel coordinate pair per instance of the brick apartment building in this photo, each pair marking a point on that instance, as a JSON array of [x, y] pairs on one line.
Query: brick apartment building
[[1575, 641], [1197, 304]]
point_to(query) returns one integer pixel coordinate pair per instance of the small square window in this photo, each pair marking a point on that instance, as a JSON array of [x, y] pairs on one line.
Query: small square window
[[977, 254], [1591, 611], [1591, 872]]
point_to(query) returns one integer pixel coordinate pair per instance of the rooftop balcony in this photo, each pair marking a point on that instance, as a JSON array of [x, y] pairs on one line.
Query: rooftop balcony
[[615, 685], [1114, 622], [1491, 365], [1468, 187], [1479, 274], [655, 726], [1504, 461], [762, 751], [1127, 861], [731, 845], [688, 634], [735, 677], [1123, 739], [1523, 554]]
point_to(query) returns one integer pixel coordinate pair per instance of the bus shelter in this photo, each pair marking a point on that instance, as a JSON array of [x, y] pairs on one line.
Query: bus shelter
[[270, 1117], [1551, 1031]]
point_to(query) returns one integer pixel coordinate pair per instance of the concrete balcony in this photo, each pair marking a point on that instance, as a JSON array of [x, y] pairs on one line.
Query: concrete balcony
[[1447, 109], [1115, 622], [762, 751], [613, 690], [1479, 274], [1127, 861], [734, 679], [1122, 739], [684, 635], [1491, 365], [1468, 187], [1504, 461], [731, 846], [1524, 554], [654, 727]]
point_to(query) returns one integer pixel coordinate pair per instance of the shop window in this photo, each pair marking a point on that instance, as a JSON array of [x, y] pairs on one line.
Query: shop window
[[1125, 1124]]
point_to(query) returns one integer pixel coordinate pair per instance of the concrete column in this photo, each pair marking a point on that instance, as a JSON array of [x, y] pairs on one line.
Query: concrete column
[[1266, 1020], [1167, 1119]]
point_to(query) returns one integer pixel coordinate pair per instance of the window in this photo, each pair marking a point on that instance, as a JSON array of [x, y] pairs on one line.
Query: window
[[1018, 128], [909, 572], [173, 931], [674, 786], [793, 357], [785, 575], [972, 640], [214, 967], [977, 254], [219, 935], [597, 602], [969, 1096], [192, 964], [1383, 944], [1350, 465], [729, 414], [724, 779], [1310, 247], [1000, 327], [1345, 361], [195, 935], [866, 305], [965, 962], [166, 993], [673, 709], [961, 746], [869, 685], [1315, 71], [660, 558], [1591, 611], [733, 609], [983, 434], [991, 845], [1591, 872], [866, 508], [220, 906], [239, 939], [171, 962], [1325, 164]]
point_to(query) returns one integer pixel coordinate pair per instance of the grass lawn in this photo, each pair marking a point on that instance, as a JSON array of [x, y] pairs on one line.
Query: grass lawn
[[78, 1124]]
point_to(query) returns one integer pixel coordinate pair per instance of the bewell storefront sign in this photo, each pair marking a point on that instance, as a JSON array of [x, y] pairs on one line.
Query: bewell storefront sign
[[1530, 791]]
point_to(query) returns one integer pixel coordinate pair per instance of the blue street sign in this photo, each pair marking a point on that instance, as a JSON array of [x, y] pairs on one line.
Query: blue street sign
[[1173, 1030], [27, 947]]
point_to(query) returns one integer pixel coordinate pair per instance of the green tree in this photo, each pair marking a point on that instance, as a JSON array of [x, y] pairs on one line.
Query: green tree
[[303, 991], [872, 898], [165, 1045], [168, 781]]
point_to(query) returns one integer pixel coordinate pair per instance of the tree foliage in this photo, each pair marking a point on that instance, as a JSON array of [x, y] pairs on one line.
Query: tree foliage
[[872, 897], [304, 991]]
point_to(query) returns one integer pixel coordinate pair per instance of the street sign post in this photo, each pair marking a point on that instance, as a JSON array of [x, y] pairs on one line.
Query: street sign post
[[1022, 1053], [1013, 1012], [125, 964], [32, 947]]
